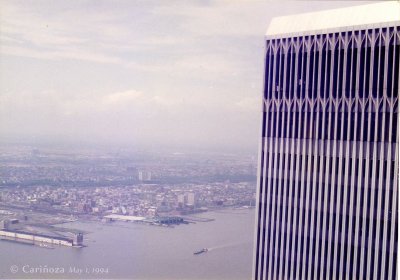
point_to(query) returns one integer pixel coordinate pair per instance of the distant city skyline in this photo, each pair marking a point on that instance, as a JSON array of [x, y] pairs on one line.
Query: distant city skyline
[[139, 73]]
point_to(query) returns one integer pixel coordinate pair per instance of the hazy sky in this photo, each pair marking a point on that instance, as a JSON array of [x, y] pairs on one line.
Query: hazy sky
[[143, 73]]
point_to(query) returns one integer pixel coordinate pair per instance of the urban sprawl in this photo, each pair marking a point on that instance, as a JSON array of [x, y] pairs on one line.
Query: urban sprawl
[[40, 189]]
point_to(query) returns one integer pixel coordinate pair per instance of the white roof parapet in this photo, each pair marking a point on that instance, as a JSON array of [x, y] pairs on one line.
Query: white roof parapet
[[335, 20]]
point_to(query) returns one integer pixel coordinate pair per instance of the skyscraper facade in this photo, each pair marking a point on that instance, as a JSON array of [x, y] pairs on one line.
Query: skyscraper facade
[[328, 164]]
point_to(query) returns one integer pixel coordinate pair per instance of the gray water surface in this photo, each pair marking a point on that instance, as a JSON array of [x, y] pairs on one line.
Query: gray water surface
[[134, 251]]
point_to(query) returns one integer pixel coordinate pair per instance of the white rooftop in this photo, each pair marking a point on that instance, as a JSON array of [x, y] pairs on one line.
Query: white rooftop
[[125, 218], [341, 19]]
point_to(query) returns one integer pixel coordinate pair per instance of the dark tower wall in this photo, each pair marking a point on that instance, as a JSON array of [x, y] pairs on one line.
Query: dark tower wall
[[328, 175]]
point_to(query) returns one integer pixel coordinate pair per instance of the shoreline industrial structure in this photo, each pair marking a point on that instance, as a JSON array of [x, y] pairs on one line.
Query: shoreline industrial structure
[[9, 233], [328, 166], [159, 220]]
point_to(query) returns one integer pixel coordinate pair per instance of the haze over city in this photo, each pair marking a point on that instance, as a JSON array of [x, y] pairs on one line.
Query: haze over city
[[129, 133], [138, 73]]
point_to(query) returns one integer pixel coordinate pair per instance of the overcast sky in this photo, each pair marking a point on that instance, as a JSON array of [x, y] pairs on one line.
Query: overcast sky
[[143, 73]]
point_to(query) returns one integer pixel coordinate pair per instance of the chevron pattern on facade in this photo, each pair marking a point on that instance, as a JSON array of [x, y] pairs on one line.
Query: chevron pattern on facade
[[329, 159]]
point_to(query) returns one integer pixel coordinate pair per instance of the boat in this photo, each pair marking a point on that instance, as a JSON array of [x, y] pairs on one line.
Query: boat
[[201, 251]]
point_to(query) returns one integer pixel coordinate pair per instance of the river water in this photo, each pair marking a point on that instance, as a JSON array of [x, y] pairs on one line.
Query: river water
[[134, 251]]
